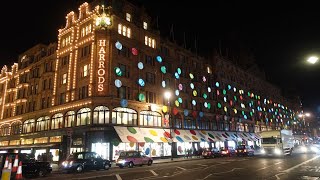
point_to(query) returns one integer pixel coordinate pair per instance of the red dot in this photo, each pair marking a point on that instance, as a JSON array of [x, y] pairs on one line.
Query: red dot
[[132, 139], [177, 132]]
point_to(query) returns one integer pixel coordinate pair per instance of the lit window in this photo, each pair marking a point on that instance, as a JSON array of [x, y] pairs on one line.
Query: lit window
[[85, 70], [150, 42], [129, 33], [120, 29], [124, 31], [153, 43], [128, 17], [64, 78], [146, 40], [145, 25]]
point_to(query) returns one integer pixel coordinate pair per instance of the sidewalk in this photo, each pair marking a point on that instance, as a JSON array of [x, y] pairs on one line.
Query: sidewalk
[[55, 167]]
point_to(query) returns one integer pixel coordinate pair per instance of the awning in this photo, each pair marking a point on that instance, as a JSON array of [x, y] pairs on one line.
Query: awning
[[136, 134], [139, 134], [248, 136]]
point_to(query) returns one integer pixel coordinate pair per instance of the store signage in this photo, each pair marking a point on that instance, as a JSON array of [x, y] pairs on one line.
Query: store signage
[[101, 64]]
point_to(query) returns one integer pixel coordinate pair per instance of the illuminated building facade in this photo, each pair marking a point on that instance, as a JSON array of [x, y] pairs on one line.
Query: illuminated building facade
[[101, 88]]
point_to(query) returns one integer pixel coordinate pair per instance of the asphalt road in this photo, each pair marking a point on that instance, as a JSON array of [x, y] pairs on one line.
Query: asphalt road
[[298, 166]]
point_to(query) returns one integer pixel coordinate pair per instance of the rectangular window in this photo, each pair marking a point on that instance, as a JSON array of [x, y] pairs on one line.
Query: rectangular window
[[148, 41], [125, 71], [65, 60], [62, 98], [85, 71], [124, 92], [145, 25], [128, 17], [64, 78], [150, 78], [119, 28], [86, 51]]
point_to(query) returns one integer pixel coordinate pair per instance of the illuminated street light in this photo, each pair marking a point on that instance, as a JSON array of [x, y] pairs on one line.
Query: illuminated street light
[[313, 59], [167, 95]]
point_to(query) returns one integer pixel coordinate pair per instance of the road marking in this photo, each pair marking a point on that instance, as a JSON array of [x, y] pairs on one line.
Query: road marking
[[118, 177], [269, 166], [202, 165], [227, 171], [298, 165], [205, 177], [154, 173], [277, 175], [181, 168]]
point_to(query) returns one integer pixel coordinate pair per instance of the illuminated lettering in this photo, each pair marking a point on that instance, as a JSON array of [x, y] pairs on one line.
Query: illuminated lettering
[[101, 64]]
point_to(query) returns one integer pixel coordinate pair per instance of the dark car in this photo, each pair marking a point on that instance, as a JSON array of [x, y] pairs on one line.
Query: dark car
[[30, 167], [211, 153], [133, 158], [244, 150], [81, 161]]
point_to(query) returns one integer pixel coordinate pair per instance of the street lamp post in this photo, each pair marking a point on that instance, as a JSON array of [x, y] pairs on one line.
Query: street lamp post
[[167, 95]]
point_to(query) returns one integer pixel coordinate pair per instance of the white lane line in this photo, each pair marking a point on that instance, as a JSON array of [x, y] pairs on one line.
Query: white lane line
[[227, 171], [154, 173], [205, 177], [181, 168], [305, 162], [118, 177], [202, 165], [277, 175], [269, 166]]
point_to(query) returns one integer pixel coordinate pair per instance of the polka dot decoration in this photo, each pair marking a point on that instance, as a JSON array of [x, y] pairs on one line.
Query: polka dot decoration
[[118, 45], [159, 59]]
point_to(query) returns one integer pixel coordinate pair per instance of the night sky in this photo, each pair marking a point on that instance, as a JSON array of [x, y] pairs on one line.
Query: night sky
[[281, 36]]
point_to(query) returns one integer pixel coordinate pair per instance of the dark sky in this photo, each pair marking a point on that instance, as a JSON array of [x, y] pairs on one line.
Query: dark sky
[[281, 36]]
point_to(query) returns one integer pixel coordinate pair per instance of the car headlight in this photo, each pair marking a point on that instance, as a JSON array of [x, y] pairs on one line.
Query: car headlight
[[121, 161], [277, 151], [65, 163], [304, 149], [70, 163], [314, 149], [263, 151]]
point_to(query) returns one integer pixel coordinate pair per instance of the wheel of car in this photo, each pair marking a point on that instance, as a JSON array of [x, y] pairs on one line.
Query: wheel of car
[[79, 169], [130, 165], [42, 173], [106, 166], [149, 163]]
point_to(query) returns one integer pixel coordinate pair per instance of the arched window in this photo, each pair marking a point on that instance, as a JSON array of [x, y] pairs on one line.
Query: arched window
[[124, 116], [28, 126], [4, 130], [15, 128], [83, 117], [57, 120], [101, 115], [69, 119], [150, 118], [43, 124]]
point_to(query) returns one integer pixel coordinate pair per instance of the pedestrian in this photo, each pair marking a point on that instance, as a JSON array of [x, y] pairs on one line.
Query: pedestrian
[[50, 157], [39, 157]]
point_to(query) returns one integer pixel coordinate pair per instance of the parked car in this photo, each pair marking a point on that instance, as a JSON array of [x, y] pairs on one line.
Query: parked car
[[81, 161], [133, 158], [244, 150], [30, 167], [227, 152], [211, 153]]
